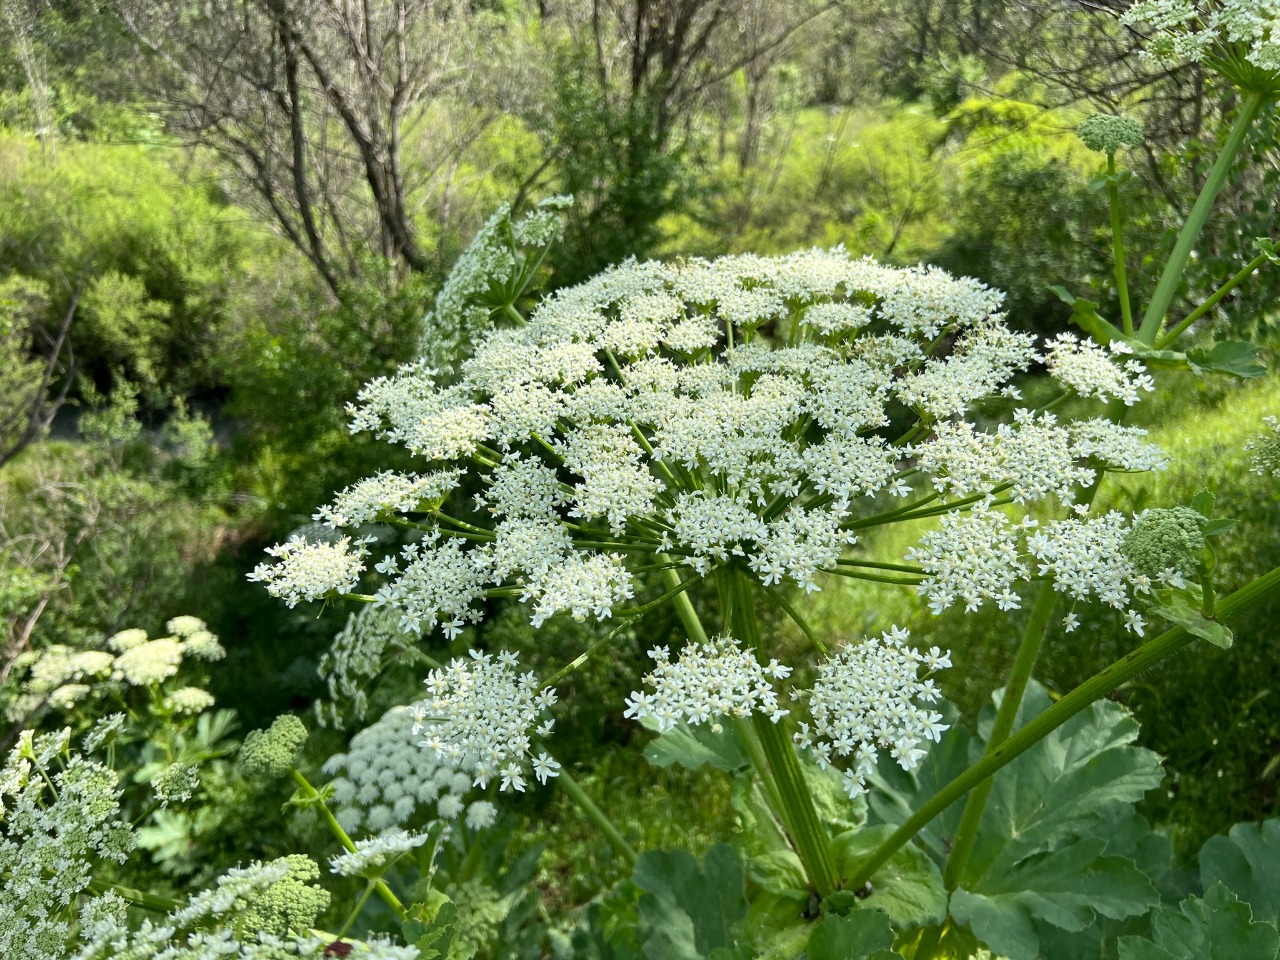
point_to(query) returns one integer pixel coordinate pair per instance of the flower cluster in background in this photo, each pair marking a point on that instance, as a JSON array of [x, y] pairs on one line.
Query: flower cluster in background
[[63, 678], [385, 780]]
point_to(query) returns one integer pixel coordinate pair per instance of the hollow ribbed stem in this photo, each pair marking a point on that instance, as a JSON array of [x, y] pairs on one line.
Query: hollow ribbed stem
[[1117, 245], [1177, 262], [1015, 687], [344, 838], [597, 816], [1096, 687], [789, 788]]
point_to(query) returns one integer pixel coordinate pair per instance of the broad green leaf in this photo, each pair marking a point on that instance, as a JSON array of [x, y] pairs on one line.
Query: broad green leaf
[[1203, 503], [908, 888], [1247, 861], [1219, 927], [1183, 608], [695, 747], [1232, 357], [432, 926], [1039, 857], [1065, 888], [687, 909], [865, 935]]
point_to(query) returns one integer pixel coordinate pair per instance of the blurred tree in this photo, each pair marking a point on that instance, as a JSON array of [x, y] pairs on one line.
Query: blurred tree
[[316, 107]]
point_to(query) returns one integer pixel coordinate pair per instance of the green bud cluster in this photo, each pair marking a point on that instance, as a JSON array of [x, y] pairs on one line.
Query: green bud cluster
[[1104, 133], [1166, 538], [271, 752], [288, 906]]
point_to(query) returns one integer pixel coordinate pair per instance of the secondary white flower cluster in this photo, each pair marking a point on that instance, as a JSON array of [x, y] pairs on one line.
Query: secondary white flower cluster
[[983, 555], [59, 820], [1089, 370], [1195, 29], [373, 855], [481, 711], [492, 259], [864, 701], [385, 780], [263, 911], [64, 676], [311, 571], [708, 681], [354, 659]]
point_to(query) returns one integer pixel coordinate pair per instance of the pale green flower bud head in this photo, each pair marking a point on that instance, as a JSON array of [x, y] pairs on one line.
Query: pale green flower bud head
[[1163, 539], [271, 752], [1104, 133], [290, 905]]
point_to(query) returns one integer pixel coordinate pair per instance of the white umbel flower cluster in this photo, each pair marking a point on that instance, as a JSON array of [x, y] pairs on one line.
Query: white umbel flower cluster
[[385, 780], [480, 711], [706, 682], [372, 856], [1089, 370], [63, 677], [1265, 450], [644, 412], [865, 701], [311, 571], [59, 821], [1191, 30]]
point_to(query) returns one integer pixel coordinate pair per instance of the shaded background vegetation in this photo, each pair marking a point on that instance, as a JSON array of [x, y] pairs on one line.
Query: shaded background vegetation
[[218, 219]]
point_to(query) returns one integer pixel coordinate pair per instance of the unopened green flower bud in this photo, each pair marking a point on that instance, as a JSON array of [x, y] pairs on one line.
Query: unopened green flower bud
[[1165, 539], [288, 906], [1104, 133], [272, 752]]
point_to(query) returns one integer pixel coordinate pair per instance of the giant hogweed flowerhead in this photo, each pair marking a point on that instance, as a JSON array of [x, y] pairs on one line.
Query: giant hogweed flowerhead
[[1239, 37], [271, 752], [701, 414]]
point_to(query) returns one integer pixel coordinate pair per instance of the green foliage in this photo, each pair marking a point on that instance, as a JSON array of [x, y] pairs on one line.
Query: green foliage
[[1217, 927], [1041, 855], [865, 935], [161, 269], [1247, 861], [908, 888], [615, 158], [688, 910]]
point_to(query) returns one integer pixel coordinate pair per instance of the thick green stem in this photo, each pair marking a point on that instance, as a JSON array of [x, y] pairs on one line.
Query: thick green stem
[[1117, 245], [1244, 273], [344, 838], [1096, 687], [597, 816], [1177, 263], [1015, 687], [789, 786]]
